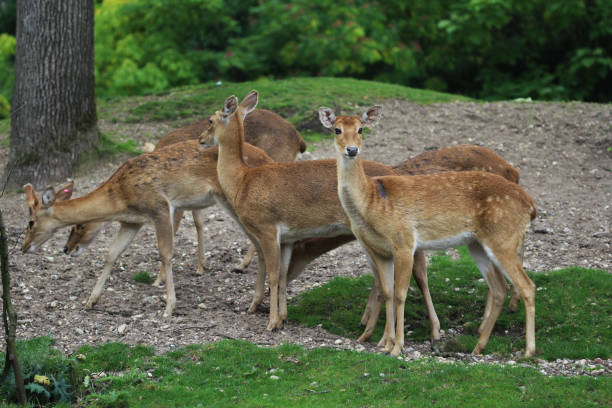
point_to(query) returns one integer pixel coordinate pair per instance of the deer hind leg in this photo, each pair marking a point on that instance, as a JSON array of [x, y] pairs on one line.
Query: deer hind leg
[[513, 305], [498, 290], [403, 261], [374, 293], [419, 268], [165, 243], [373, 308], [176, 220], [491, 270], [260, 280], [198, 220], [285, 259], [124, 237], [508, 263], [248, 258]]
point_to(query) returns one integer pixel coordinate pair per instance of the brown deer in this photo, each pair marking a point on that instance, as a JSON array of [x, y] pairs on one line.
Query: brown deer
[[394, 216], [263, 128], [279, 213], [149, 188]]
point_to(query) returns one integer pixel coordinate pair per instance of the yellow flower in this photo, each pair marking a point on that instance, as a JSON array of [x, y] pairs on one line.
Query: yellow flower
[[41, 379]]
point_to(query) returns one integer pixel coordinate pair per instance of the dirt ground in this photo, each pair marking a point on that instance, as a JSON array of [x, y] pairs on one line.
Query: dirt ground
[[561, 150]]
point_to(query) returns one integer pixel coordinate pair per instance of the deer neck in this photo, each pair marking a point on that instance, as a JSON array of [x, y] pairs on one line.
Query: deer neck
[[95, 206], [353, 187], [230, 164]]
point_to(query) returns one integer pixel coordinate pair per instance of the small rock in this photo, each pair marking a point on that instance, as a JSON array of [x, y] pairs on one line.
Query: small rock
[[202, 306], [54, 277], [274, 377], [338, 341], [121, 328], [53, 304], [148, 147], [79, 331]]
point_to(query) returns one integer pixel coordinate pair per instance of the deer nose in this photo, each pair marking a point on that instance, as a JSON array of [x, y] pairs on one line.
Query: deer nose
[[352, 151]]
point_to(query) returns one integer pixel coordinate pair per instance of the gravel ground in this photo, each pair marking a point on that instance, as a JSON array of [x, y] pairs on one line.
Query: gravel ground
[[561, 151]]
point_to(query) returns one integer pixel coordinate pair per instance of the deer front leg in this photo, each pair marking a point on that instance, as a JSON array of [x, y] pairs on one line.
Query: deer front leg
[[373, 307], [271, 254], [124, 237], [165, 242], [384, 268], [198, 220], [403, 271]]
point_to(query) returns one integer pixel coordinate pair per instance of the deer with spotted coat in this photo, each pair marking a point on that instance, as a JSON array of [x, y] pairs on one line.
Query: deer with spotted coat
[[394, 216]]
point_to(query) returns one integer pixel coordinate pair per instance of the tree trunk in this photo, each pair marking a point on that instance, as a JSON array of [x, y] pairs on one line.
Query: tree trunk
[[10, 319], [53, 115]]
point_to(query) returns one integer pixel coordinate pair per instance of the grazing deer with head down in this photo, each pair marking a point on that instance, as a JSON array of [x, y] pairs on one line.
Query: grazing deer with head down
[[263, 128], [393, 216], [146, 189]]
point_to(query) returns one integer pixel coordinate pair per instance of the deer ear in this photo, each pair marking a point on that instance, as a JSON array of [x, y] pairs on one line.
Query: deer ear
[[249, 103], [64, 193], [327, 117], [31, 198], [48, 197], [371, 116], [229, 108]]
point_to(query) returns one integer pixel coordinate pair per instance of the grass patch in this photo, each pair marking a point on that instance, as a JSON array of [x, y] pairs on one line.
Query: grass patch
[[49, 376], [236, 373], [110, 146], [297, 99], [573, 310], [143, 277]]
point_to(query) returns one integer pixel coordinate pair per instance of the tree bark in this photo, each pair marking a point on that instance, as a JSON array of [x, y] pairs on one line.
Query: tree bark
[[53, 116], [10, 319]]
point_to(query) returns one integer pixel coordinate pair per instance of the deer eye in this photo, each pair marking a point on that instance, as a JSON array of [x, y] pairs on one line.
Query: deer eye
[[30, 224], [79, 227], [359, 130], [338, 131]]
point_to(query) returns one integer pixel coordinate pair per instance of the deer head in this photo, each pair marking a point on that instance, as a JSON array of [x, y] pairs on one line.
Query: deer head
[[41, 225], [221, 121], [348, 129]]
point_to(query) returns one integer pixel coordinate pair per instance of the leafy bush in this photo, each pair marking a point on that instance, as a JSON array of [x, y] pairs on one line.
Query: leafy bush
[[7, 62], [48, 375], [151, 45]]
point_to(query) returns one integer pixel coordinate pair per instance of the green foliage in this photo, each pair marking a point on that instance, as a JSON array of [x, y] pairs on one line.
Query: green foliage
[[143, 277], [48, 375], [150, 45], [490, 49], [8, 16], [319, 37], [109, 146], [573, 310], [7, 61]]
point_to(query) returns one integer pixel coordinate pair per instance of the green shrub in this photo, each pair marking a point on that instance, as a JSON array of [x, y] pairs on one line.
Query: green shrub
[[7, 73], [150, 45], [48, 375]]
